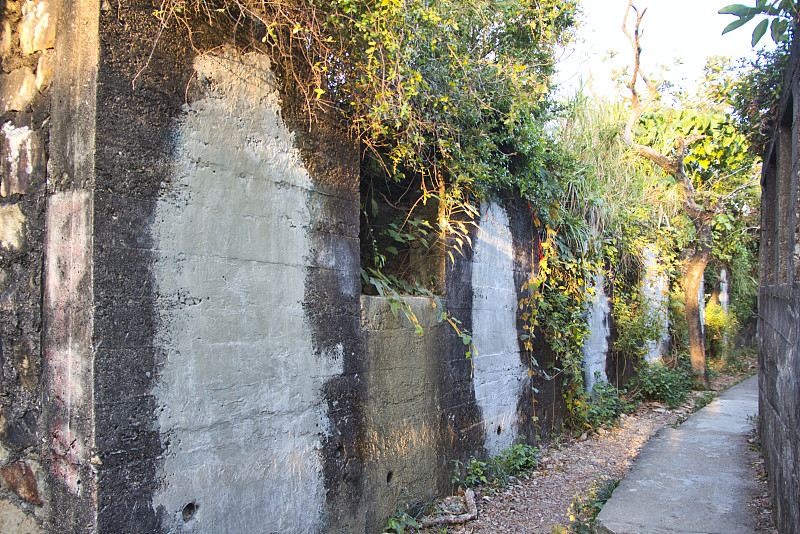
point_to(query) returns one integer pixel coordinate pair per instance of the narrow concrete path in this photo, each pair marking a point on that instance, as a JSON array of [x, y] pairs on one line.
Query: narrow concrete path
[[693, 479]]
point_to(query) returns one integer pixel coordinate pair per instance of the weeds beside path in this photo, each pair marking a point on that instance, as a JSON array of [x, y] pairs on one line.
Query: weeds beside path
[[572, 467]]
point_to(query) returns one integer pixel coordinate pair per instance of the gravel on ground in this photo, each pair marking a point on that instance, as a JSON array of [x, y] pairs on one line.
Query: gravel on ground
[[572, 466]]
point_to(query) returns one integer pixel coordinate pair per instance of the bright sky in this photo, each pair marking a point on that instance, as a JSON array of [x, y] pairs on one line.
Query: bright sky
[[689, 30]]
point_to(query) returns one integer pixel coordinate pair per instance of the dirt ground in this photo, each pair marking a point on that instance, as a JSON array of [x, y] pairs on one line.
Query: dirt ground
[[573, 466]]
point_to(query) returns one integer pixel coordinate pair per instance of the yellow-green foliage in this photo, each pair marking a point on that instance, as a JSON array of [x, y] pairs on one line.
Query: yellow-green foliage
[[721, 326], [612, 187]]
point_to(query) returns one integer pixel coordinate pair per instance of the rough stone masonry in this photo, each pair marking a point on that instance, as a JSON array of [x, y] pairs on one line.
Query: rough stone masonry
[[27, 39], [779, 306]]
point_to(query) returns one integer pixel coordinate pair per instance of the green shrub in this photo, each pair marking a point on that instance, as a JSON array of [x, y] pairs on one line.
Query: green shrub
[[736, 359], [518, 458], [660, 383], [607, 404], [602, 407], [473, 473], [497, 469]]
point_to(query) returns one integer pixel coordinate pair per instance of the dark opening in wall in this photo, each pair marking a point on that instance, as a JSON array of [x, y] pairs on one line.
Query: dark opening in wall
[[401, 248]]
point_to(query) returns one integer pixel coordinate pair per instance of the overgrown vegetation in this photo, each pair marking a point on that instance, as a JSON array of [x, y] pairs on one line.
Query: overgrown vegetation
[[584, 510], [497, 469], [756, 94], [660, 383], [602, 408], [720, 324], [451, 102]]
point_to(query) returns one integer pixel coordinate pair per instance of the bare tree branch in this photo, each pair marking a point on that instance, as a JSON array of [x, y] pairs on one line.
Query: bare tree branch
[[751, 183], [637, 107], [671, 165], [666, 163]]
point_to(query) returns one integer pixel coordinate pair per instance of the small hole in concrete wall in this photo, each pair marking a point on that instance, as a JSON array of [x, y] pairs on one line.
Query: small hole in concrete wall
[[389, 477], [499, 430], [188, 511]]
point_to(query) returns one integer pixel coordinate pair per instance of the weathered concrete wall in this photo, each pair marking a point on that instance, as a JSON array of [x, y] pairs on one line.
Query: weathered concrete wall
[[779, 307], [595, 348], [133, 157], [427, 403], [403, 437], [209, 363], [504, 261], [499, 375], [187, 248], [27, 40], [231, 231], [779, 376]]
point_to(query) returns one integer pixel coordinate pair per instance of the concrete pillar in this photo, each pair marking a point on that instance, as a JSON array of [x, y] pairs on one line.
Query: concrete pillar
[[69, 256], [499, 375]]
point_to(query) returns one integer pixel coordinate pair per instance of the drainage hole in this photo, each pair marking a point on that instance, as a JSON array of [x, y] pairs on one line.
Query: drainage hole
[[389, 477], [499, 429], [188, 511]]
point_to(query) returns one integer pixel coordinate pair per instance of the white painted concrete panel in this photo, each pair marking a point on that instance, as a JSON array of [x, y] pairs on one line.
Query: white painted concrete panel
[[655, 289], [499, 376], [595, 348], [240, 408]]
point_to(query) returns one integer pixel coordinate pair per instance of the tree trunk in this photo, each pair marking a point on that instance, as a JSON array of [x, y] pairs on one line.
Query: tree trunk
[[697, 343]]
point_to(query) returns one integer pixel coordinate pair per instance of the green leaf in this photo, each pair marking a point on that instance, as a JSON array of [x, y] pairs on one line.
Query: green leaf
[[759, 32], [379, 285], [736, 24], [737, 9], [778, 29]]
